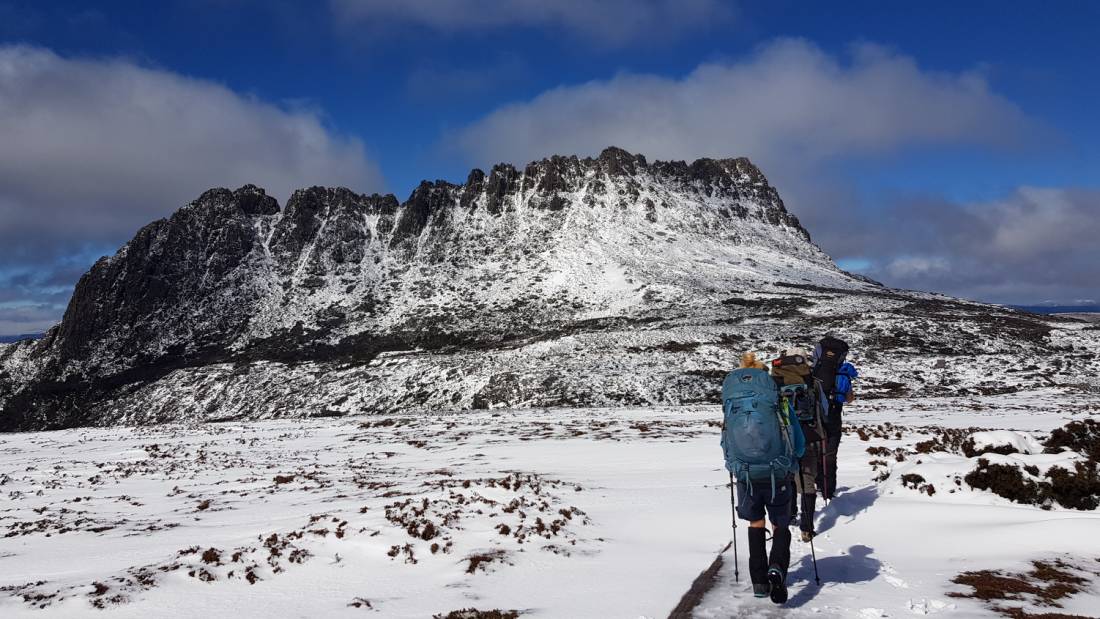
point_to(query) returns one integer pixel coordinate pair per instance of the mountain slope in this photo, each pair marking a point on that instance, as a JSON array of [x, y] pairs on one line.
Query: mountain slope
[[571, 282]]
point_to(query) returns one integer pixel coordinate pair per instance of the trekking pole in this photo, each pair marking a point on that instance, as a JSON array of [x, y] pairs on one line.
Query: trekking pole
[[733, 505], [824, 446], [813, 554]]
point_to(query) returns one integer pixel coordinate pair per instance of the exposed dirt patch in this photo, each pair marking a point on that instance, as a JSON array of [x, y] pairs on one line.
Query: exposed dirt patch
[[473, 613], [1045, 585], [703, 583], [479, 561]]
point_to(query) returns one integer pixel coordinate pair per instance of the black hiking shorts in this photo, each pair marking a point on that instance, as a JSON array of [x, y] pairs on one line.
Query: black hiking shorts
[[752, 505]]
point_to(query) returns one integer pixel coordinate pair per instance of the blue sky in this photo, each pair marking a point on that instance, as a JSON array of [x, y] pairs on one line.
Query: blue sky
[[940, 146]]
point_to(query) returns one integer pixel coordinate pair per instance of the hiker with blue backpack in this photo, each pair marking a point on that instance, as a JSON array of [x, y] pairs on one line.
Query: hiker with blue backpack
[[835, 374], [762, 443]]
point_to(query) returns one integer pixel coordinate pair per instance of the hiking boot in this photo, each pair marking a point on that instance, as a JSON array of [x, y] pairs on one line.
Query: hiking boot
[[778, 587], [807, 536], [761, 590]]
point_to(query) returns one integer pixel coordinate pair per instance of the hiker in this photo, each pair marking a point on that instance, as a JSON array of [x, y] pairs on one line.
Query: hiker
[[761, 445], [835, 376], [792, 374]]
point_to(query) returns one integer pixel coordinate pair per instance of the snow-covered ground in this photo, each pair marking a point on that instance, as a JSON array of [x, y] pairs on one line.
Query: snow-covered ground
[[554, 513]]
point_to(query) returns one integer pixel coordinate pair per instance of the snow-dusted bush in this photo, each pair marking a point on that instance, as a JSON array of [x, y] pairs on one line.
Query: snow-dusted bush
[[1073, 485]]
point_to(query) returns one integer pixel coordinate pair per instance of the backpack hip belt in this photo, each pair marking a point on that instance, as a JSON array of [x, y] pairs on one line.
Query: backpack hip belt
[[756, 472]]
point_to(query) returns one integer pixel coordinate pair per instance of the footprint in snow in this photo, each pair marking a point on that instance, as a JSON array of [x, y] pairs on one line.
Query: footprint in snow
[[928, 607], [890, 576]]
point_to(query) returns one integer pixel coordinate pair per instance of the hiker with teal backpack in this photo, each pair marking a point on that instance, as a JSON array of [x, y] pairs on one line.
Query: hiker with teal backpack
[[761, 444]]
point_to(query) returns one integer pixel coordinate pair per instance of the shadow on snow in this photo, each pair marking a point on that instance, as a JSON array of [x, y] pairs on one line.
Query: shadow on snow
[[854, 567], [849, 504]]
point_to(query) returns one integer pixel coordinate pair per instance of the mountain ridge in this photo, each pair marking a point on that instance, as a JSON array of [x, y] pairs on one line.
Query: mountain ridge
[[229, 227], [570, 282]]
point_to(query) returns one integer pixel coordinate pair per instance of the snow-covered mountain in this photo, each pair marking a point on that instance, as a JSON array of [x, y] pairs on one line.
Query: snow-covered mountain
[[578, 282]]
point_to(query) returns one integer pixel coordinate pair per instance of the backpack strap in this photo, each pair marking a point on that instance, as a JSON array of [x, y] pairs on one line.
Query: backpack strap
[[822, 398], [819, 407], [783, 462], [784, 430]]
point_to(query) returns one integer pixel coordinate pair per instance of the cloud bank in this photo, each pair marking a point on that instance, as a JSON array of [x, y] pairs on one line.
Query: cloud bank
[[1034, 245], [790, 101], [92, 149]]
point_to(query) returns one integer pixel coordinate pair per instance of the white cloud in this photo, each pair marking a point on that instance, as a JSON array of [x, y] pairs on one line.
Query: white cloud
[[789, 106], [606, 22], [90, 150]]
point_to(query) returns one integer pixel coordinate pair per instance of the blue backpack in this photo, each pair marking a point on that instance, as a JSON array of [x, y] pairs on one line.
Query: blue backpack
[[756, 436], [844, 377]]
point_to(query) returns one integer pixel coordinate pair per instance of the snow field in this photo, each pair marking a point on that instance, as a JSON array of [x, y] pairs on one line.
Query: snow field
[[644, 490]]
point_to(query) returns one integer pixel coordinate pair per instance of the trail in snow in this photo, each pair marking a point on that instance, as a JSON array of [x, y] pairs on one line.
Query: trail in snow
[[887, 549]]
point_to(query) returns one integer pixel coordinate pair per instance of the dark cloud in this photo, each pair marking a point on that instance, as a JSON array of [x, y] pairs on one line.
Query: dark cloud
[[604, 23], [28, 317], [35, 288], [1038, 244]]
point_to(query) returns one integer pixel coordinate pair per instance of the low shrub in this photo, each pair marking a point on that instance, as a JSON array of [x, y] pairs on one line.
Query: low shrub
[[1081, 436], [1005, 480], [1077, 489], [1073, 489]]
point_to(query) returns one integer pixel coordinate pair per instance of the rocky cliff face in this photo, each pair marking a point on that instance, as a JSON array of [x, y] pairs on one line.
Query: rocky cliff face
[[230, 270], [572, 281]]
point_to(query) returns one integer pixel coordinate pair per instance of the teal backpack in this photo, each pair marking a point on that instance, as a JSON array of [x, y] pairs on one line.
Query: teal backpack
[[756, 436]]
